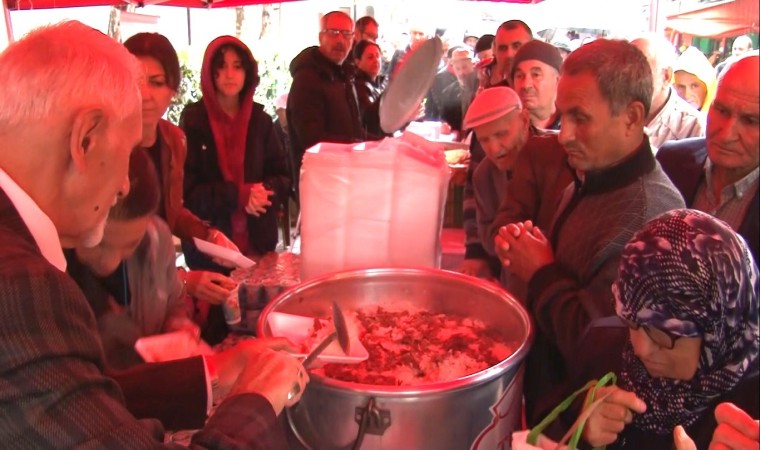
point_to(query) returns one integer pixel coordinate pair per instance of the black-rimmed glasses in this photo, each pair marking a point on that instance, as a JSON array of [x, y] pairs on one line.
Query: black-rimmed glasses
[[335, 33], [663, 338]]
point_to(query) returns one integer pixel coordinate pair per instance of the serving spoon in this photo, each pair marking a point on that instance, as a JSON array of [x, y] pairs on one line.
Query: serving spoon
[[340, 333]]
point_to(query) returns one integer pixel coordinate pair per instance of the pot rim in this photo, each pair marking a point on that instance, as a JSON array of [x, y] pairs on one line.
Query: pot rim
[[465, 382]]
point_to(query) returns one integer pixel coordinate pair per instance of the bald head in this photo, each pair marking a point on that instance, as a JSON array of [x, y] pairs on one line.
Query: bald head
[[335, 36], [733, 135], [661, 56], [741, 45], [742, 75]]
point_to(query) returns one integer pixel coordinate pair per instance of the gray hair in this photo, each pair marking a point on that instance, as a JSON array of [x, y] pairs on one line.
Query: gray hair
[[58, 69], [326, 17], [621, 71]]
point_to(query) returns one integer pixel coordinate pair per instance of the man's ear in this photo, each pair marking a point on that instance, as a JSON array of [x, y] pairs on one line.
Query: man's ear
[[86, 130], [667, 75], [635, 117]]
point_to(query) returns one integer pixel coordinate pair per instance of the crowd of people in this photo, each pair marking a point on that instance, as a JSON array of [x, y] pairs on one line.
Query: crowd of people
[[582, 166]]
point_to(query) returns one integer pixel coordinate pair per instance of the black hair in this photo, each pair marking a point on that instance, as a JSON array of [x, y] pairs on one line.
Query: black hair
[[515, 24], [484, 43], [361, 46], [250, 66], [158, 47], [361, 24]]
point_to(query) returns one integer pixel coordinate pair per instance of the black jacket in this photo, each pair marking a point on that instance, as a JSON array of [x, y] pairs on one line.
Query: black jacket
[[368, 92], [322, 103], [213, 199]]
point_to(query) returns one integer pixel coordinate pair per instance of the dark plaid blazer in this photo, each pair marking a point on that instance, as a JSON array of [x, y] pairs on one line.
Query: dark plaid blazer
[[53, 393]]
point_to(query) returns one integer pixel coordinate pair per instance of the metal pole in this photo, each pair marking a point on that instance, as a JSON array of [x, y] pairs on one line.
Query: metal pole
[[7, 36], [189, 29]]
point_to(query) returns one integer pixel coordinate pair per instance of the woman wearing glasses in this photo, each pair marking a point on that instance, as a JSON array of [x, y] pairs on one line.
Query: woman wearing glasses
[[687, 288]]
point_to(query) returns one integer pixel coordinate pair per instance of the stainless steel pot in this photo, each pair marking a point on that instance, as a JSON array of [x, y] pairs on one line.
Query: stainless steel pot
[[478, 411]]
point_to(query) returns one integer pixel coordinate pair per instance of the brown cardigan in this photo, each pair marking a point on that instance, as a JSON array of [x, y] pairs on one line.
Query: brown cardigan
[[183, 223]]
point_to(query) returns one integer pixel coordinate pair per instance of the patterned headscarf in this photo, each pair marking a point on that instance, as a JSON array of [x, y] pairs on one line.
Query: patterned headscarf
[[690, 274]]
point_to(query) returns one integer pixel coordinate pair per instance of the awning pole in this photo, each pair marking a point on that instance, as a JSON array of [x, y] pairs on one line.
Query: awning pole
[[6, 36]]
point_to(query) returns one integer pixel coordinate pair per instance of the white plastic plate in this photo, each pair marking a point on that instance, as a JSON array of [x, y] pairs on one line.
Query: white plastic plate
[[296, 328], [170, 346], [401, 100], [223, 253]]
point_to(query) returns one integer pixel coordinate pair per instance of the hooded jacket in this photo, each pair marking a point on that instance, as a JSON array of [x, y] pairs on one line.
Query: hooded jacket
[[693, 61], [225, 157], [322, 103]]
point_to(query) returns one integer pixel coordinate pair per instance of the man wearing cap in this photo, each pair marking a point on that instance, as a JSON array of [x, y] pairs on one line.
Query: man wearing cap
[[670, 117], [457, 96], [535, 75], [501, 126], [604, 95]]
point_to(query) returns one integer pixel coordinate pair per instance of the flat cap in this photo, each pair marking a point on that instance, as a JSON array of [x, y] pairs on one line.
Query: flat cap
[[491, 104]]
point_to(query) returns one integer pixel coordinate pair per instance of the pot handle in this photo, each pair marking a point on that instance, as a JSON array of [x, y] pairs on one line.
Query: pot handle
[[371, 420], [294, 429]]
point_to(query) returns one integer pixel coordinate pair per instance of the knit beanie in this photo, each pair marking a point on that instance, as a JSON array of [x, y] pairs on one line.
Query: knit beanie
[[540, 51]]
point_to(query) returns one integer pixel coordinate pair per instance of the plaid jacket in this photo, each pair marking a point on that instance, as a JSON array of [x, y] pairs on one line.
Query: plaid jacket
[[53, 393]]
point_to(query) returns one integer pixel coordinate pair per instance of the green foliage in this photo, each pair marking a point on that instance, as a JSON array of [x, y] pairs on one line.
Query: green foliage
[[189, 90], [275, 80]]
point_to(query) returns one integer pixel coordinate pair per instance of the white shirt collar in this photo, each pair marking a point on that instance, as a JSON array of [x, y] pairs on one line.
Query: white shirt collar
[[39, 224]]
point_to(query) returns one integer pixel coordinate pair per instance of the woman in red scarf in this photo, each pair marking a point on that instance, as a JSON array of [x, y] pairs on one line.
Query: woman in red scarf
[[236, 173]]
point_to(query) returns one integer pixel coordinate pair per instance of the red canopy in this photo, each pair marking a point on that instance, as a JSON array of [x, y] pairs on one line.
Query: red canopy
[[44, 4], [718, 20]]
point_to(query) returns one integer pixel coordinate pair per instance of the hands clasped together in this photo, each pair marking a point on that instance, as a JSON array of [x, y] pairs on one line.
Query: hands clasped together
[[523, 249], [258, 201]]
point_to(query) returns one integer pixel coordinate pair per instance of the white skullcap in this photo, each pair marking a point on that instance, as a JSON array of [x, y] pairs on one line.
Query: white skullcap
[[491, 104], [281, 102]]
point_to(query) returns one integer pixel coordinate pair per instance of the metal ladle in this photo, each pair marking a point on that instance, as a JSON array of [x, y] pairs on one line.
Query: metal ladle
[[341, 333]]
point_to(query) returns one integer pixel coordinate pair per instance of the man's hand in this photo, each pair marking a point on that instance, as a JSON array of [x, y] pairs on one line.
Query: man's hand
[[210, 287], [476, 267], [611, 416], [231, 362], [523, 249], [256, 366], [258, 202]]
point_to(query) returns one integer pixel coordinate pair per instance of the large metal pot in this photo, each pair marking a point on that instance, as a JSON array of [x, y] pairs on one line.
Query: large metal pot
[[478, 411]]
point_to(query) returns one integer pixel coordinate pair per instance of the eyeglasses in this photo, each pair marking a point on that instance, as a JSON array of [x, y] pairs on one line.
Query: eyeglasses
[[663, 338], [335, 33]]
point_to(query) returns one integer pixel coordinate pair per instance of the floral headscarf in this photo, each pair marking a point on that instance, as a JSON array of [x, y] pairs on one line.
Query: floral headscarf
[[690, 274]]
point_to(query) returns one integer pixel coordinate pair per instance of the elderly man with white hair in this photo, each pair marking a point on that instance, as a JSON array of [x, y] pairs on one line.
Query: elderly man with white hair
[[63, 164], [670, 117]]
